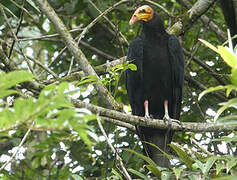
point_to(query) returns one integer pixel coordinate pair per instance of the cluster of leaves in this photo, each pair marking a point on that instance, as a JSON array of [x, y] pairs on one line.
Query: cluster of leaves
[[229, 55], [50, 111]]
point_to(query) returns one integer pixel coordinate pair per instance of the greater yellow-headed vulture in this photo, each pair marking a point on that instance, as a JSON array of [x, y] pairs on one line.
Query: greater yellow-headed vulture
[[158, 81]]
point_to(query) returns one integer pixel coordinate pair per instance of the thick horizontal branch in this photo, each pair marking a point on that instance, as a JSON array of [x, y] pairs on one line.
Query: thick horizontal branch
[[154, 123]]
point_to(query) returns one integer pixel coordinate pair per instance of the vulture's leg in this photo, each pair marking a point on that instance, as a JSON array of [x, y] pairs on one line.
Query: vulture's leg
[[146, 109], [166, 117]]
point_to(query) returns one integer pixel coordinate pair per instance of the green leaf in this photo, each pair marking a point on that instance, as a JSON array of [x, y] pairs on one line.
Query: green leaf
[[133, 67], [211, 90], [209, 163], [177, 172], [15, 77], [4, 93], [230, 103], [184, 157], [76, 177], [116, 174], [209, 45], [230, 164], [87, 79], [228, 56], [152, 165], [234, 77], [219, 167], [138, 174]]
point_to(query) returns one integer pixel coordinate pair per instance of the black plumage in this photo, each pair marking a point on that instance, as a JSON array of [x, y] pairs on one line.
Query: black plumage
[[159, 77], [230, 15]]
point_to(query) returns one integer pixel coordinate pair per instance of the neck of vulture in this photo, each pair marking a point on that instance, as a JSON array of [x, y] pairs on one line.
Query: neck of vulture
[[154, 27]]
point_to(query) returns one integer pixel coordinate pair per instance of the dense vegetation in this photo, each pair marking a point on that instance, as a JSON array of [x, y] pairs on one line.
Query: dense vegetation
[[47, 132]]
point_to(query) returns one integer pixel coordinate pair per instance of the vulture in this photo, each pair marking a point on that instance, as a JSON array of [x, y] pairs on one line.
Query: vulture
[[155, 88]]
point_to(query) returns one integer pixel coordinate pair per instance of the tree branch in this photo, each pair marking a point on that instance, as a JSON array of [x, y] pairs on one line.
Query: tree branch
[[75, 51], [154, 123]]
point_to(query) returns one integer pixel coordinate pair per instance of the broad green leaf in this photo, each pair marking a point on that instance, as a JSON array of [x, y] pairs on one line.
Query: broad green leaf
[[228, 56], [4, 93], [154, 170], [234, 77], [15, 77], [177, 172], [184, 157], [230, 88], [200, 165], [230, 103], [230, 164], [219, 167], [138, 174], [209, 45], [209, 163], [133, 67], [116, 174], [152, 165], [211, 90]]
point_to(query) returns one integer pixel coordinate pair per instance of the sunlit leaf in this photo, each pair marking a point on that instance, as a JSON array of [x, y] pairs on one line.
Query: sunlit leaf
[[228, 56], [210, 90], [177, 172], [15, 77], [209, 45], [230, 103]]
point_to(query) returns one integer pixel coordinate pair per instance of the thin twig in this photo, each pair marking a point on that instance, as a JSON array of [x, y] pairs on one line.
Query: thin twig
[[113, 149], [111, 24], [98, 18], [19, 146], [200, 146], [16, 39], [159, 6], [38, 63], [70, 67], [17, 30]]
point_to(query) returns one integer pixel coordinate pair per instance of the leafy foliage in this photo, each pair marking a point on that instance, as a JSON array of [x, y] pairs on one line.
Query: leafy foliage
[[65, 142]]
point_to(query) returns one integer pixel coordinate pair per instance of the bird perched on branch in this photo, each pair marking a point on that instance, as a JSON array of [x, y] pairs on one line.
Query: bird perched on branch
[[155, 89]]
